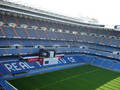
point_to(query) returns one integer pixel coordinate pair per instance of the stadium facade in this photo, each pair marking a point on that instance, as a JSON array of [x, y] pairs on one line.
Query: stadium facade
[[33, 41]]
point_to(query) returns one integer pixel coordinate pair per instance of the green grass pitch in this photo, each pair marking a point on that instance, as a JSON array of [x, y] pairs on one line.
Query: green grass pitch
[[78, 78]]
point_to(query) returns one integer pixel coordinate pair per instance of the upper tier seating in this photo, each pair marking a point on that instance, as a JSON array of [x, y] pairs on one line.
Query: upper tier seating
[[29, 33]]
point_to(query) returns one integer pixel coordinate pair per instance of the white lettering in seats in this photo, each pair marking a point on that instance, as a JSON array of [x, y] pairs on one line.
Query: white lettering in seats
[[9, 67], [24, 65], [16, 67]]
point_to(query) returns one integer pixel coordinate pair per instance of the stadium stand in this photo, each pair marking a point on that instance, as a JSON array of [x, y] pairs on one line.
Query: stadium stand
[[24, 34]]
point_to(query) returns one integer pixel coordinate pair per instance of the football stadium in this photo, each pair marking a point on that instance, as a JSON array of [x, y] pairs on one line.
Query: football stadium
[[41, 50]]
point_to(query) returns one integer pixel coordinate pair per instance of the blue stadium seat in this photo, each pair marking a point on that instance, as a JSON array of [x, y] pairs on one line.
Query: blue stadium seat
[[97, 61], [32, 33], [2, 33], [107, 63], [12, 42], [21, 20], [21, 32], [61, 49], [41, 34], [116, 66], [27, 42], [88, 59], [2, 52], [115, 42], [11, 19], [19, 51], [35, 50], [25, 51], [51, 35], [12, 51], [1, 18], [32, 22], [9, 31], [60, 36], [4, 42]]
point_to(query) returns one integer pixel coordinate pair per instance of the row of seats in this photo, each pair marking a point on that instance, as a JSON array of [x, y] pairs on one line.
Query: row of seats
[[22, 20], [100, 62], [59, 49], [105, 63], [6, 31], [20, 51], [10, 32], [88, 51], [29, 42], [31, 22]]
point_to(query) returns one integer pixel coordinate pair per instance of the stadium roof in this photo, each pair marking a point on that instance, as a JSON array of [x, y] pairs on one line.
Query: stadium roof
[[25, 10]]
